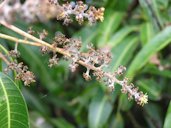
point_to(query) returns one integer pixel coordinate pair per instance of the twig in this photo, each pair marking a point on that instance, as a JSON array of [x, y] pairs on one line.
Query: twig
[[4, 59]]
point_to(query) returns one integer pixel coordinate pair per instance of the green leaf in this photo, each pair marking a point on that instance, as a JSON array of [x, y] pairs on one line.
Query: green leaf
[[87, 35], [120, 35], [160, 41], [151, 87], [123, 52], [99, 111], [153, 70], [167, 122], [153, 115], [110, 24], [0, 65], [13, 109], [117, 121], [151, 13], [124, 103], [62, 123], [35, 102], [38, 121], [146, 33]]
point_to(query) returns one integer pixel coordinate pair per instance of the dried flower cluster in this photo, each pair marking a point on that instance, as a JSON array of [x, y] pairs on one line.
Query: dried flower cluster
[[22, 72], [43, 10], [94, 61], [29, 11], [80, 11]]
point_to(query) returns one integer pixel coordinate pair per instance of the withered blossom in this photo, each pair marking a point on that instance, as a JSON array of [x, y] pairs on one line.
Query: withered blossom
[[43, 10], [14, 53], [53, 61], [81, 12], [22, 72]]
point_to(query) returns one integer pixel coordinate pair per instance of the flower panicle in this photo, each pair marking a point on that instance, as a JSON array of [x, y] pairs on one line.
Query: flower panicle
[[43, 10], [95, 60], [81, 11]]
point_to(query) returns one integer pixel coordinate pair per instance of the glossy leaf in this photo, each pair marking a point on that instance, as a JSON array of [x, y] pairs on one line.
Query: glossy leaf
[[120, 35], [151, 13], [110, 24], [156, 44], [146, 33], [99, 111], [123, 52], [153, 70], [13, 110], [62, 123], [117, 121], [124, 103], [151, 87]]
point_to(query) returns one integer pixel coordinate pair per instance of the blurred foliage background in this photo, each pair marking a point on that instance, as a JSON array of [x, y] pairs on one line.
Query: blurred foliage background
[[138, 33]]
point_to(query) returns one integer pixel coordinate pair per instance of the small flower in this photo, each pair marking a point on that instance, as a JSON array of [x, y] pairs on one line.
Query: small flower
[[53, 61], [99, 14], [111, 87], [99, 74], [81, 11], [22, 72], [28, 78], [60, 39], [120, 70], [44, 49], [53, 2], [143, 99], [73, 66], [14, 53], [31, 31], [87, 75], [43, 34]]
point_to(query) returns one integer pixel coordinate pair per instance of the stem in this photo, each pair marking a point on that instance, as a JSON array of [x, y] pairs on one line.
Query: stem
[[7, 37], [21, 32], [38, 43], [4, 49], [4, 59]]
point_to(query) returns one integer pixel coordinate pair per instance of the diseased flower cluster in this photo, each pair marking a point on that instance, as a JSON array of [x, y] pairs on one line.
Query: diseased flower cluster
[[22, 72], [9, 9], [95, 61], [43, 10], [80, 11]]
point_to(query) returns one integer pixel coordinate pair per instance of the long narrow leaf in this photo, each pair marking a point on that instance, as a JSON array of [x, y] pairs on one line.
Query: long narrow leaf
[[167, 121], [156, 44]]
